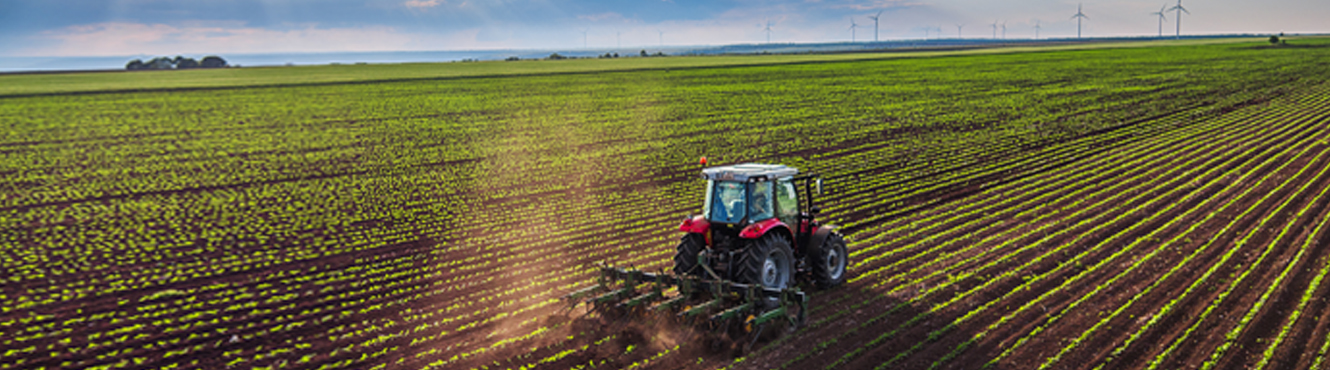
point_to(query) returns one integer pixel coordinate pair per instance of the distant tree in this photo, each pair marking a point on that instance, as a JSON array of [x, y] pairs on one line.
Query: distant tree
[[644, 53], [160, 63], [1274, 39], [556, 56], [186, 63], [212, 61], [134, 65], [616, 55], [513, 59]]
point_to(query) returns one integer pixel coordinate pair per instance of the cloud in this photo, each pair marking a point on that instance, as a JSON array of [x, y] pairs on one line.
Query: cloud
[[424, 4], [606, 16], [123, 38], [877, 5]]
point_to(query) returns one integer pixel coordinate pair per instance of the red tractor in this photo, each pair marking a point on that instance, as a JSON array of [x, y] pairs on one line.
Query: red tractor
[[755, 228], [735, 271]]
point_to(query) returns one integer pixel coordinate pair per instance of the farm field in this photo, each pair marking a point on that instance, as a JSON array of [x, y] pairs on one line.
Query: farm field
[[34, 84], [1137, 208]]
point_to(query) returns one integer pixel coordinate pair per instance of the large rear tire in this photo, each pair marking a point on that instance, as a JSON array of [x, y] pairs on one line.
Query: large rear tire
[[685, 255], [767, 261], [828, 261]]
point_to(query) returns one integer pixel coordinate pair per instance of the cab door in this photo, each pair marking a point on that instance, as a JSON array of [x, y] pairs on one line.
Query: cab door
[[787, 203]]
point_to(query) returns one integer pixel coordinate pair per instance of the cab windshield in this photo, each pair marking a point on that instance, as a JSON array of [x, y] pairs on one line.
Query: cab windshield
[[730, 201], [726, 202]]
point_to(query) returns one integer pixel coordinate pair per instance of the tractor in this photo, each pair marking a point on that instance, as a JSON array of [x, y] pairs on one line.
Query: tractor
[[739, 265], [755, 228]]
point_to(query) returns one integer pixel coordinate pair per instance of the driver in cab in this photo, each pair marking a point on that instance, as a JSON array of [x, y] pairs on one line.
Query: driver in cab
[[761, 200]]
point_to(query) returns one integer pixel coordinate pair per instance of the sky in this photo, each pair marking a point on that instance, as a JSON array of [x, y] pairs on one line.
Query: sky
[[194, 27]]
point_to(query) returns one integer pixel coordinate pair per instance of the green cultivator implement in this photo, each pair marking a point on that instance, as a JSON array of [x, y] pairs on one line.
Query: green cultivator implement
[[720, 307]]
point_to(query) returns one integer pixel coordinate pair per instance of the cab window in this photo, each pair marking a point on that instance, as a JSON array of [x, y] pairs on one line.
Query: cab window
[[787, 199], [762, 203]]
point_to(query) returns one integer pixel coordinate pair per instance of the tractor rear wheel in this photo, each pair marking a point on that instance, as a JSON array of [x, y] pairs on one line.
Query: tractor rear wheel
[[685, 256], [828, 261], [767, 261]]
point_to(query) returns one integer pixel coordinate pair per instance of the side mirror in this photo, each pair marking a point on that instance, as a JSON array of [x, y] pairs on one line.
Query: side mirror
[[819, 186]]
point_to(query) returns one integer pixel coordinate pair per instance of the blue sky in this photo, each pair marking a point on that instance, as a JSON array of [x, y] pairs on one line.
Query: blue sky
[[170, 27]]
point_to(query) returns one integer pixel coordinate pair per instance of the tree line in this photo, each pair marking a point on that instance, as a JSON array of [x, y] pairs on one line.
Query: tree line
[[178, 62]]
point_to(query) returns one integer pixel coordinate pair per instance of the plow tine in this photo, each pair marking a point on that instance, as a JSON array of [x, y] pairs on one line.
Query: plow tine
[[777, 313], [733, 312], [701, 308], [582, 292], [641, 299], [670, 304], [612, 296]]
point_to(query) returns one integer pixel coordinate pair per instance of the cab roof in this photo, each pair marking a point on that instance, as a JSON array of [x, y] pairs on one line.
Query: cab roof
[[748, 172]]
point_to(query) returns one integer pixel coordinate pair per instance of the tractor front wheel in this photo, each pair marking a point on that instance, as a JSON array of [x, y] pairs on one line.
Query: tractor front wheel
[[685, 256], [767, 261], [828, 261]]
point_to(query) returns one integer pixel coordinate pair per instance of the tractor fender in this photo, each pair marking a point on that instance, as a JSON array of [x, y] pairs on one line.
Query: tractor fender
[[695, 224], [760, 228], [820, 236]]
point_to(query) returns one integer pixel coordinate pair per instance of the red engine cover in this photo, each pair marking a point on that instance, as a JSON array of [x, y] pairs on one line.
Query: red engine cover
[[760, 228], [697, 224]]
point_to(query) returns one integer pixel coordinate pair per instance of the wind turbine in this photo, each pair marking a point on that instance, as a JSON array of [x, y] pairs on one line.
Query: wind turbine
[[1178, 17], [1036, 29], [874, 18], [1081, 15], [995, 29], [1004, 29], [1162, 18], [584, 39], [852, 27], [939, 31], [662, 37], [768, 31], [958, 30]]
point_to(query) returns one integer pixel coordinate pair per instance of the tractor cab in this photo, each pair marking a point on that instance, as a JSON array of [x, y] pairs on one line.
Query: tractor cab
[[739, 196], [746, 193]]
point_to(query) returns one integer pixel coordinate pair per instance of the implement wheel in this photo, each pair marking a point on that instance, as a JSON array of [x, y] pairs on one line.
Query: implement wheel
[[685, 255], [828, 261], [767, 261]]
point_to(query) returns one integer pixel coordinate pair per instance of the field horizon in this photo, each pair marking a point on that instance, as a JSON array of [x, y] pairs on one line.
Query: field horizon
[[37, 83]]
